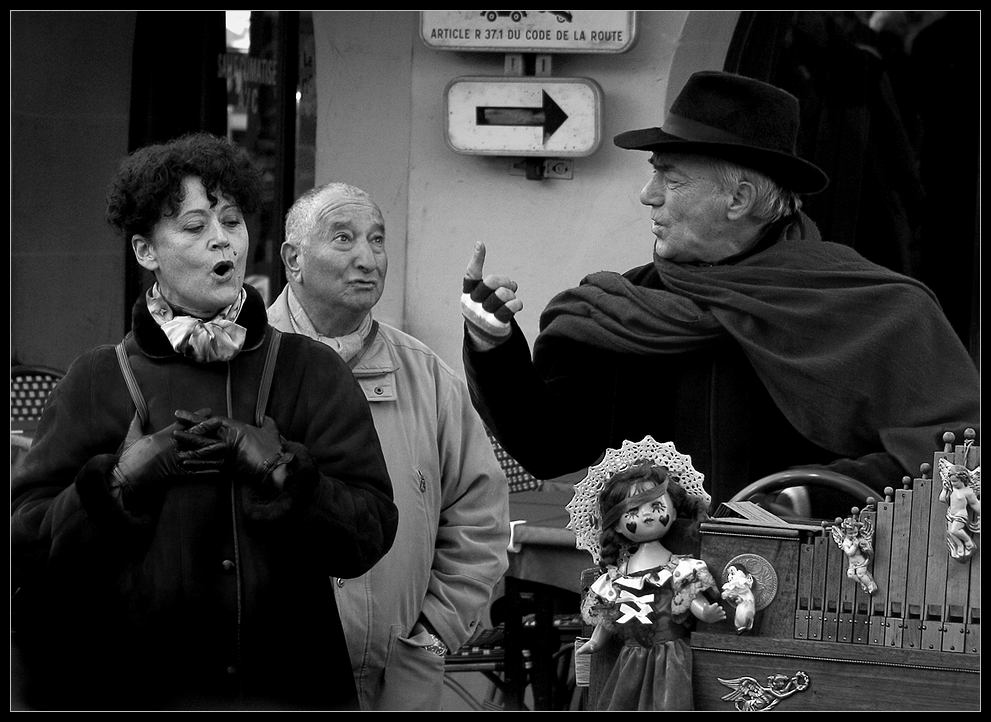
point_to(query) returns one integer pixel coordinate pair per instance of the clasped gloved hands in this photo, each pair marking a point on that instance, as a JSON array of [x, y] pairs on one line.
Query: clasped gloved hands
[[145, 465], [488, 303], [253, 452]]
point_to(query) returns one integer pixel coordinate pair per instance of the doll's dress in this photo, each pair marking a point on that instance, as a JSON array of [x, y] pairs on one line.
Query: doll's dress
[[650, 611]]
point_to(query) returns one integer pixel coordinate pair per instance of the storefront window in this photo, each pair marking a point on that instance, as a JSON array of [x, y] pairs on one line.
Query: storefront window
[[306, 108], [261, 67]]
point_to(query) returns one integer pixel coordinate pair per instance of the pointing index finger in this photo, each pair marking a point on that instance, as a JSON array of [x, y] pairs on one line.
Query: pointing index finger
[[474, 270]]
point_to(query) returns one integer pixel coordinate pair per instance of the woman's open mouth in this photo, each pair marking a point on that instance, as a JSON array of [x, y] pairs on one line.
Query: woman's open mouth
[[223, 269]]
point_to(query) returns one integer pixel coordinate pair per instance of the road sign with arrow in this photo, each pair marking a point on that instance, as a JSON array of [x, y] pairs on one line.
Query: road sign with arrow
[[524, 116]]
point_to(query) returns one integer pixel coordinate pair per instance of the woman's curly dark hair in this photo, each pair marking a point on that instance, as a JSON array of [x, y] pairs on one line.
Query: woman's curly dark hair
[[690, 509], [148, 184]]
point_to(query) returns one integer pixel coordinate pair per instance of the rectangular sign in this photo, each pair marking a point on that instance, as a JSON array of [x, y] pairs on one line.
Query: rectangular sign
[[529, 31], [526, 116]]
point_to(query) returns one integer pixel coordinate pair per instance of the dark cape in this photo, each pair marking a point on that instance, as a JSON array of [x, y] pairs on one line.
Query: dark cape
[[855, 356]]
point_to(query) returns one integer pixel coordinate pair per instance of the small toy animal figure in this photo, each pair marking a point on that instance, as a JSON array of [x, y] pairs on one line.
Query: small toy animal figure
[[738, 591], [855, 538], [962, 495]]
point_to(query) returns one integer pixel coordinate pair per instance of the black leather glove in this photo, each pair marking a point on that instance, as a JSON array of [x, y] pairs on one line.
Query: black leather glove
[[143, 468], [253, 451], [198, 451], [257, 450]]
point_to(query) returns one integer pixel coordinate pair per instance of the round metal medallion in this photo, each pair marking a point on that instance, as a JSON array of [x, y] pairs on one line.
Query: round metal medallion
[[765, 578]]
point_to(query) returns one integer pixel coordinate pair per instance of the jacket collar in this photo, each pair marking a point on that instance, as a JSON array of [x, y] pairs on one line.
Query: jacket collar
[[379, 358], [153, 342]]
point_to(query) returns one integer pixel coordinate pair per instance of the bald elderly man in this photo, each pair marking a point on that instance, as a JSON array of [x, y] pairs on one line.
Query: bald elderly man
[[430, 591]]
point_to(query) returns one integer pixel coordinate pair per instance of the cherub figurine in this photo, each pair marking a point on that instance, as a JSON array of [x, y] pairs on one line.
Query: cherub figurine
[[962, 494], [648, 595], [855, 537], [738, 591]]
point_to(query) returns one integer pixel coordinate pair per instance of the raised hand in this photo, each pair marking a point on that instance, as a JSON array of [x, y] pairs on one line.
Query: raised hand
[[488, 303]]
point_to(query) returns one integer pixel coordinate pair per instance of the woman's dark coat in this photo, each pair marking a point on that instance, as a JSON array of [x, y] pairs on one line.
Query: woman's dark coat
[[223, 600]]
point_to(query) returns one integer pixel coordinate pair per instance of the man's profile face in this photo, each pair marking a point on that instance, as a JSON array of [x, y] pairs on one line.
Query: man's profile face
[[344, 263], [687, 208]]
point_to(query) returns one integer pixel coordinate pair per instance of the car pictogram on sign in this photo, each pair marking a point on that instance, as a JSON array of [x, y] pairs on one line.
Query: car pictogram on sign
[[514, 15]]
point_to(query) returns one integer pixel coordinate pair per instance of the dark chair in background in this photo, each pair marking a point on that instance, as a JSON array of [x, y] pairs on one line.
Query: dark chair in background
[[519, 478], [29, 390], [530, 622], [528, 648], [542, 623], [484, 653]]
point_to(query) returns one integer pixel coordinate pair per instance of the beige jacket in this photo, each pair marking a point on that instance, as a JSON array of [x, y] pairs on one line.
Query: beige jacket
[[450, 549]]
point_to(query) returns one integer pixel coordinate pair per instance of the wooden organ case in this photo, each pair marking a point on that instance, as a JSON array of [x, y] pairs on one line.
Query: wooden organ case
[[819, 640]]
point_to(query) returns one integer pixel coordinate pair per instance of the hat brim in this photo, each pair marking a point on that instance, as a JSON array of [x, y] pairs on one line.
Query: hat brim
[[791, 172]]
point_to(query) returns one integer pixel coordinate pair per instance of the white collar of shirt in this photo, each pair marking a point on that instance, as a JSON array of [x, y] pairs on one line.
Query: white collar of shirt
[[347, 346]]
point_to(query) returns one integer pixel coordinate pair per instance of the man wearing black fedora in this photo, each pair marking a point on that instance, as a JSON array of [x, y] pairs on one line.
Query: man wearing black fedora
[[749, 341]]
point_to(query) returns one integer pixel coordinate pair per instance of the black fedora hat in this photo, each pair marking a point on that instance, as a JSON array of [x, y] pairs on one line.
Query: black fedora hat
[[739, 119]]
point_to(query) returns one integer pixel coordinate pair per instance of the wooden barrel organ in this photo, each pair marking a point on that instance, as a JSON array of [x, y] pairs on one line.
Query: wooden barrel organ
[[870, 612]]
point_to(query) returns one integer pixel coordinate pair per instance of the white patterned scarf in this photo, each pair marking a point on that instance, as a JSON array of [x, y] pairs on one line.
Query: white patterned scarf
[[219, 339]]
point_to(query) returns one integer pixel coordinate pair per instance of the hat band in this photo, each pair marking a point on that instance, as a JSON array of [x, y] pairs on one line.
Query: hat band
[[689, 129]]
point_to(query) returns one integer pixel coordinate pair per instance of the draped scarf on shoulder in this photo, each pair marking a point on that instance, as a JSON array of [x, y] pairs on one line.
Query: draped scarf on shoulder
[[856, 356]]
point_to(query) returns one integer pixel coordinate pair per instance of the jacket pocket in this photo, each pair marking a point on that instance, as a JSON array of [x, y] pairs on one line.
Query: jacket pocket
[[414, 677]]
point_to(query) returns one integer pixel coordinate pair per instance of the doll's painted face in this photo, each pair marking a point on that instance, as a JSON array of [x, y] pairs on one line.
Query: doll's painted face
[[648, 521]]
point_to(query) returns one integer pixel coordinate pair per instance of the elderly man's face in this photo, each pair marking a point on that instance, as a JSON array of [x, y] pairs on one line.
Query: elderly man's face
[[343, 265], [687, 210]]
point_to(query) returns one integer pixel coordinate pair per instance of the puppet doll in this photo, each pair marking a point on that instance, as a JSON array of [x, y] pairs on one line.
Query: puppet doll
[[648, 595]]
